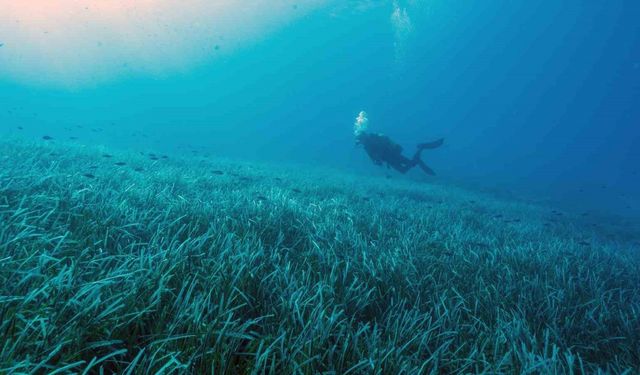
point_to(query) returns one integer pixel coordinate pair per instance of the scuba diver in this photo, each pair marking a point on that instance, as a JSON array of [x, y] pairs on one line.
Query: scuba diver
[[381, 149]]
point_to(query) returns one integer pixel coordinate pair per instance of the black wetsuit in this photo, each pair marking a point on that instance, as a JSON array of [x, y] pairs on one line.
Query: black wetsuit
[[381, 149]]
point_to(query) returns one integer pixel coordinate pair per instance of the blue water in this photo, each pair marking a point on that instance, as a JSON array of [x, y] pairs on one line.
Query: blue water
[[537, 99]]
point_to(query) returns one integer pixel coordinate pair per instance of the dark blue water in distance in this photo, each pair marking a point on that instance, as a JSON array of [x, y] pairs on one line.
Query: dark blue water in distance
[[538, 99]]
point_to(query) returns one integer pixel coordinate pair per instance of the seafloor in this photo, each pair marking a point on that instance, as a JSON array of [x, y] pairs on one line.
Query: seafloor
[[126, 263]]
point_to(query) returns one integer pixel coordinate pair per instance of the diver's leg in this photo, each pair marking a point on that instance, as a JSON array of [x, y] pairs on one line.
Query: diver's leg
[[402, 168], [431, 145], [416, 157], [402, 164]]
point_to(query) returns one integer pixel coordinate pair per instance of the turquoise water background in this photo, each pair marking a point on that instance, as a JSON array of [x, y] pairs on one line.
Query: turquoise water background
[[540, 99]]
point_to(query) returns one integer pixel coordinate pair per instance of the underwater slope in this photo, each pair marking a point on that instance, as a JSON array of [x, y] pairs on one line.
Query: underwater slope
[[135, 263]]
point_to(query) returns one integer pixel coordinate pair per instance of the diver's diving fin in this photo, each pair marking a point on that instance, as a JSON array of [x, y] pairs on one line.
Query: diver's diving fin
[[430, 145], [426, 169]]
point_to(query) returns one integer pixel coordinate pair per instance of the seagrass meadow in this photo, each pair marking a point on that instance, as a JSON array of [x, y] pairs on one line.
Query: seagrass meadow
[[111, 262]]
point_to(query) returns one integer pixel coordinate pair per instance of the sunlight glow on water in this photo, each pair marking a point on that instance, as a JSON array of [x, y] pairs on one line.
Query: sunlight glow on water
[[71, 42]]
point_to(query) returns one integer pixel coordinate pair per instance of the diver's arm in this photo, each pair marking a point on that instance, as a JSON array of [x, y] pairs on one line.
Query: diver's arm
[[375, 160]]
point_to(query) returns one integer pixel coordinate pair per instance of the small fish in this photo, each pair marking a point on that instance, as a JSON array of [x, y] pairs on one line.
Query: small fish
[[120, 163], [165, 157], [138, 169], [218, 172], [108, 156], [472, 201], [261, 198], [89, 175], [47, 138], [278, 179], [584, 243], [300, 191], [498, 216], [1, 44], [20, 128], [73, 138]]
